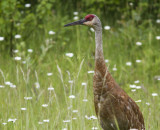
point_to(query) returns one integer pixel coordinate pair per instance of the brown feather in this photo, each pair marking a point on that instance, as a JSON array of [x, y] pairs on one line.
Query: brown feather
[[113, 106]]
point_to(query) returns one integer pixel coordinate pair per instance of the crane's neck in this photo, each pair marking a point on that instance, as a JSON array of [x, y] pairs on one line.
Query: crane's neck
[[99, 58], [99, 46], [101, 70]]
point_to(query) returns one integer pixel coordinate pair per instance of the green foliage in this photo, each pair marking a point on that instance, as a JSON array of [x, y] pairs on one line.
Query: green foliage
[[15, 18], [34, 20]]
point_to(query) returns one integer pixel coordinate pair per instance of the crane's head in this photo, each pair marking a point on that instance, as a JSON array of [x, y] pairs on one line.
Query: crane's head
[[89, 20]]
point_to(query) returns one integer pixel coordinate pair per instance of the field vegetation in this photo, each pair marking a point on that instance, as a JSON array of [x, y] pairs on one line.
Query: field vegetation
[[46, 70]]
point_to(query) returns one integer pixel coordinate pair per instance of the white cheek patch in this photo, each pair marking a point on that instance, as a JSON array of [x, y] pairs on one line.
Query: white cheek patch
[[88, 23]]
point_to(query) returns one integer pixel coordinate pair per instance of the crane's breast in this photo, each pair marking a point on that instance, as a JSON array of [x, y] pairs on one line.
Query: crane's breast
[[113, 105]]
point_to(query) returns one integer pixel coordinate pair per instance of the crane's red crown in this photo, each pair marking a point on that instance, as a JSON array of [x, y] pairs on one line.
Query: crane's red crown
[[89, 17]]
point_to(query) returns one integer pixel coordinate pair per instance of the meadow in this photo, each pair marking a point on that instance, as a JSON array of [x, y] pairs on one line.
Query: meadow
[[49, 87]]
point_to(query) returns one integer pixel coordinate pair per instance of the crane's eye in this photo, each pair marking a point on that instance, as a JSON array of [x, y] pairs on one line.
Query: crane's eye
[[89, 17]]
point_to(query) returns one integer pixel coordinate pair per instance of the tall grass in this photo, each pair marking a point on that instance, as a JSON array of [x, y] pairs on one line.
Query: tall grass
[[56, 90]]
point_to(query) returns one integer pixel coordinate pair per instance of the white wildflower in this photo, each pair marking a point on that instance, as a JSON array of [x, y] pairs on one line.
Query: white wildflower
[[64, 129], [30, 50], [106, 60], [44, 105], [46, 120], [4, 123], [158, 37], [128, 63], [69, 54], [71, 96], [27, 98], [23, 109], [51, 32], [70, 81], [75, 13], [76, 18], [158, 21], [114, 69], [75, 111], [131, 4], [138, 87], [69, 107], [94, 128], [51, 89], [138, 61], [49, 74], [1, 38], [147, 103], [8, 83], [40, 122], [92, 30], [12, 86], [66, 121], [136, 82], [88, 118], [18, 24], [12, 120], [90, 72], [74, 118], [138, 43], [85, 100], [23, 62], [17, 58], [17, 36], [1, 86], [93, 117], [107, 27], [37, 85], [132, 86], [84, 84], [133, 90], [15, 51], [27, 5], [157, 77], [138, 101], [154, 94]]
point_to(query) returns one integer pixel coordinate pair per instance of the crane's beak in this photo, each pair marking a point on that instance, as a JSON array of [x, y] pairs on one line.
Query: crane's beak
[[79, 22]]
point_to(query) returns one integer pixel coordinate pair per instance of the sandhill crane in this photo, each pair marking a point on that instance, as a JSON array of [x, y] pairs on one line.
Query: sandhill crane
[[114, 108]]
